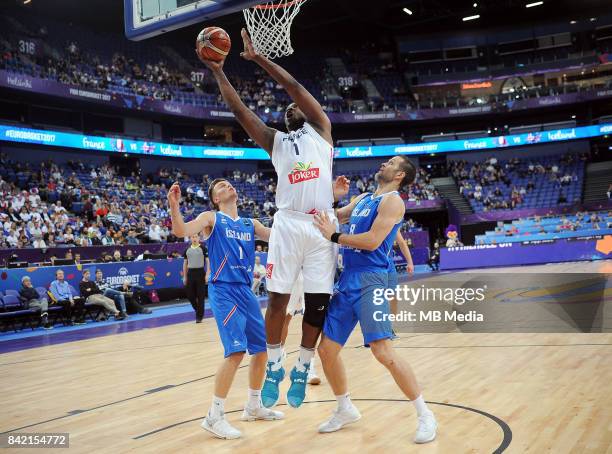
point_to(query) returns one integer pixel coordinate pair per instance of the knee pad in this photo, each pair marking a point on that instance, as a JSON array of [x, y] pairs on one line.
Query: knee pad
[[315, 308]]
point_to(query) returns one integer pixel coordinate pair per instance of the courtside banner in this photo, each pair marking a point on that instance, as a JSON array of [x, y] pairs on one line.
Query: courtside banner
[[521, 301], [122, 145], [150, 274], [528, 253]]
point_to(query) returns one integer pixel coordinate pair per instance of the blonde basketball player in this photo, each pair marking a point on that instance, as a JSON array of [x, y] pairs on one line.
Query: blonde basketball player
[[302, 158]]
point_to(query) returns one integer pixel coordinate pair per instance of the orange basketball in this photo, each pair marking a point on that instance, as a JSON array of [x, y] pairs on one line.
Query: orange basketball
[[213, 43]]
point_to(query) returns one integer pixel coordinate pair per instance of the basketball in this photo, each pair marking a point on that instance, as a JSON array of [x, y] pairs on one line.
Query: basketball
[[213, 44]]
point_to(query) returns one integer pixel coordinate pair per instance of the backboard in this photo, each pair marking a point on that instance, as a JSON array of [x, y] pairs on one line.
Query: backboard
[[147, 18]]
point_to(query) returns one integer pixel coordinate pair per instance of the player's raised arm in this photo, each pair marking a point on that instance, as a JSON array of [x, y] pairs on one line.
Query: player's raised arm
[[405, 251], [306, 102], [261, 231], [341, 188], [390, 211], [344, 214], [257, 130], [180, 228]]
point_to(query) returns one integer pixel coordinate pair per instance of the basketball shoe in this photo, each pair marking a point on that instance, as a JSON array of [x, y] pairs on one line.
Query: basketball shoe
[[297, 390], [426, 430], [340, 418], [221, 428], [260, 413], [269, 392]]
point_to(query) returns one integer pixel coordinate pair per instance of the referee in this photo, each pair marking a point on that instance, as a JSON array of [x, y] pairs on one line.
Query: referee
[[195, 275]]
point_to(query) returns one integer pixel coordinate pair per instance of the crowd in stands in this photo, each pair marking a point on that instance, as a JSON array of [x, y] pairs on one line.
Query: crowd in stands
[[582, 223], [421, 189], [37, 209], [87, 65], [440, 98], [528, 183], [78, 205]]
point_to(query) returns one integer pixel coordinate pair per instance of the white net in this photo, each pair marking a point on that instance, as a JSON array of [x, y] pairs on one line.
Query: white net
[[269, 26]]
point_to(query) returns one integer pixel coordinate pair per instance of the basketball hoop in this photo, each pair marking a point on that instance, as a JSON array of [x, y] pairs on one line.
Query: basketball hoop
[[269, 26]]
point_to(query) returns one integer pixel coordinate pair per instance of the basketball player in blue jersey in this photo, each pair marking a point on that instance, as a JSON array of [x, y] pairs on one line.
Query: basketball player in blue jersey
[[303, 160], [231, 248], [393, 277], [374, 221]]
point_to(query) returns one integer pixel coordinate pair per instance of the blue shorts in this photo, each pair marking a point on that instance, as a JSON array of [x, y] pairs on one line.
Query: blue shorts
[[393, 278], [358, 298], [238, 316]]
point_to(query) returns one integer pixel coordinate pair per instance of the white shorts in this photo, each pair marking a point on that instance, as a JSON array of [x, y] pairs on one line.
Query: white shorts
[[295, 246], [296, 301]]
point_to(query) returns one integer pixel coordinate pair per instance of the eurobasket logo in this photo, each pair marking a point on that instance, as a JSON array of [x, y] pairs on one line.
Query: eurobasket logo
[[149, 275], [302, 172], [123, 271]]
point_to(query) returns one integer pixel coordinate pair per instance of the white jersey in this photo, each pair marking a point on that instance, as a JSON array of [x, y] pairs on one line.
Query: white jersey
[[303, 162]]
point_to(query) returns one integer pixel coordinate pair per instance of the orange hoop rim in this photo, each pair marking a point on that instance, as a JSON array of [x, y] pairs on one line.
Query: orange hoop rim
[[279, 6]]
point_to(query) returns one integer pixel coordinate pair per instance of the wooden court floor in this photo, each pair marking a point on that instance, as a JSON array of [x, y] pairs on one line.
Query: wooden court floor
[[147, 391]]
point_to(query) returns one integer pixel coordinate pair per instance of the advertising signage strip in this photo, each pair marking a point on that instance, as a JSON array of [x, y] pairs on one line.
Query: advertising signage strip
[[120, 145]]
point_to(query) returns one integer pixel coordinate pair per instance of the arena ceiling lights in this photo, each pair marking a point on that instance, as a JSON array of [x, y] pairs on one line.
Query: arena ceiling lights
[[407, 11], [531, 5], [474, 17]]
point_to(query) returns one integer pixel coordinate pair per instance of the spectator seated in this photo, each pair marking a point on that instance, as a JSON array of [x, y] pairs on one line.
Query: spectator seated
[[549, 228]]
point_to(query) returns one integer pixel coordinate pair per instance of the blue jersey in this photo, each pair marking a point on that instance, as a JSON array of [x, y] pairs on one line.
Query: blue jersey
[[361, 221], [231, 250]]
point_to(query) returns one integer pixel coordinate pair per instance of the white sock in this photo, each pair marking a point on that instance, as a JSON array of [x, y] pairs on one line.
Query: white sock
[[420, 405], [305, 358], [344, 402], [274, 355], [216, 409], [312, 365], [254, 398]]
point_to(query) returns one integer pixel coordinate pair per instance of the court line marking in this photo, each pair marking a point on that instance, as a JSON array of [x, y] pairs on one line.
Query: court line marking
[[144, 394], [507, 432], [166, 387], [501, 346], [48, 358]]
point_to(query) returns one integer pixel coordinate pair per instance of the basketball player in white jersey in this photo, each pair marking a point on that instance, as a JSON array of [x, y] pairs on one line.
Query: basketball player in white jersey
[[302, 159]]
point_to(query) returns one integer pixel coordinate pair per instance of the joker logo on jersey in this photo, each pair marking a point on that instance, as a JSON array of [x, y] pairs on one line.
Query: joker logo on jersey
[[302, 172]]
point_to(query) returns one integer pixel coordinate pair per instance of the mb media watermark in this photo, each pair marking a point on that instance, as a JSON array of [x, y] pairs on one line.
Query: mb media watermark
[[428, 316], [488, 303]]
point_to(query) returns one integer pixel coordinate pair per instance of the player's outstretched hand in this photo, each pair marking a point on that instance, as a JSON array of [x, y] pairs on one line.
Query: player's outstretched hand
[[214, 66], [341, 187], [174, 195], [324, 224], [249, 52]]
